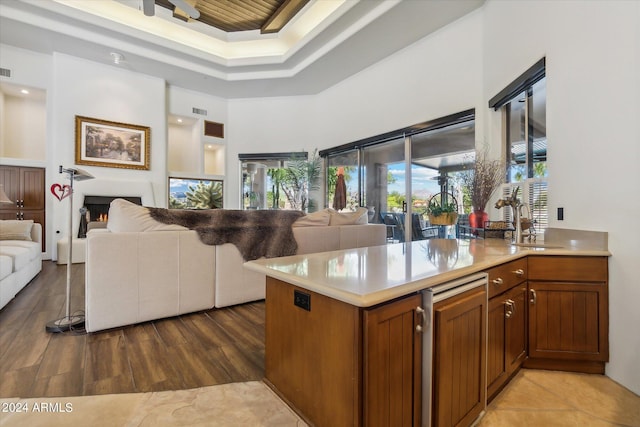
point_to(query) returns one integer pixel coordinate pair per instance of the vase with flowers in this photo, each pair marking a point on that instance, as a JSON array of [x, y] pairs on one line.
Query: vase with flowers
[[481, 178]]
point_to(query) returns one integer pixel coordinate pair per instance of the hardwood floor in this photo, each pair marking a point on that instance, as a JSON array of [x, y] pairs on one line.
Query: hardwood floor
[[206, 348]]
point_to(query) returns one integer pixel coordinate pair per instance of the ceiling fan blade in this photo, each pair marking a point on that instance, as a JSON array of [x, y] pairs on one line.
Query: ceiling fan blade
[[148, 7], [190, 10]]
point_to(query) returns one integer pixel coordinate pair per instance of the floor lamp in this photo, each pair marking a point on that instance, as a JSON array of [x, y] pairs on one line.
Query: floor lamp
[[69, 322]]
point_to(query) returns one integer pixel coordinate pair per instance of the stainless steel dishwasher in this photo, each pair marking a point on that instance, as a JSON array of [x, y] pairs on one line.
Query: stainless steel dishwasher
[[429, 297]]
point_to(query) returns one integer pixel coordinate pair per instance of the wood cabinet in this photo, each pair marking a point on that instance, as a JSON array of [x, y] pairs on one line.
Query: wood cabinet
[[568, 313], [506, 323], [338, 364], [459, 355], [25, 187], [393, 364], [506, 337]]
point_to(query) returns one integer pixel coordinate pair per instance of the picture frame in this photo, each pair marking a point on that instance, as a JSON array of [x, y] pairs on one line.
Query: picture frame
[[195, 193], [111, 144]]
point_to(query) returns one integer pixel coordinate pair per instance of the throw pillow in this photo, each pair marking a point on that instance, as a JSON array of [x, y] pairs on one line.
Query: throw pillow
[[125, 216], [348, 218], [313, 219], [13, 229]]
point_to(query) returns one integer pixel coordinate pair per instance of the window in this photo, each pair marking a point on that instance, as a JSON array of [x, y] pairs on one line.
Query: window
[[523, 104], [419, 160], [279, 180]]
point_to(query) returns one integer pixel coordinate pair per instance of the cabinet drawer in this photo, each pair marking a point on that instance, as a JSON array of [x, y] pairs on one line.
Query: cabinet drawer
[[568, 268], [506, 276]]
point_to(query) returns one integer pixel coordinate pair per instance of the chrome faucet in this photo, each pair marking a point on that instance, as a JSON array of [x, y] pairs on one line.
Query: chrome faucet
[[514, 203]]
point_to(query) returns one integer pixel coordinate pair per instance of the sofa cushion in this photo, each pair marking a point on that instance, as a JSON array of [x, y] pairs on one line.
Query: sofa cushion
[[19, 256], [13, 229], [314, 219], [349, 218], [34, 248], [6, 266], [125, 216]]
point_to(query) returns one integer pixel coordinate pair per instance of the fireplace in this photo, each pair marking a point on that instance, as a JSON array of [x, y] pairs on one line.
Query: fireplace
[[96, 208]]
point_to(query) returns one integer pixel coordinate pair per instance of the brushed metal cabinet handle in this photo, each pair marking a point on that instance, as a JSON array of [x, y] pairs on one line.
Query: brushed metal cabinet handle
[[519, 272], [420, 320]]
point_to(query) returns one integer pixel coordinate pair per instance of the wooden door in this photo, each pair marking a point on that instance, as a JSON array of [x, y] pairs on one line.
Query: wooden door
[[568, 321], [393, 364], [459, 369]]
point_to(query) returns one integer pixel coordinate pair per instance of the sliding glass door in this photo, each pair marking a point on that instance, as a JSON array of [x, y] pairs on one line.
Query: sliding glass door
[[398, 173], [383, 170]]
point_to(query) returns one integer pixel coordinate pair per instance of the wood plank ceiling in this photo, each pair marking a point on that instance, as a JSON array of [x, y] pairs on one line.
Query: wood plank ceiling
[[268, 16]]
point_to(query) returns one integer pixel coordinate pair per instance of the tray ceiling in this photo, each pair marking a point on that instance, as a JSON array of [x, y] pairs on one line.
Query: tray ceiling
[[268, 16], [317, 44]]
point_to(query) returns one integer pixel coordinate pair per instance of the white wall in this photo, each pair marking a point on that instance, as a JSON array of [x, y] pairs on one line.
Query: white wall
[[26, 136], [196, 162], [593, 86], [422, 82], [33, 70], [267, 125], [99, 91]]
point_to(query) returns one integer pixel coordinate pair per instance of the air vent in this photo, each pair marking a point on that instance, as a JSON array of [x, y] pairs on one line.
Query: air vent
[[199, 111], [213, 129], [5, 72]]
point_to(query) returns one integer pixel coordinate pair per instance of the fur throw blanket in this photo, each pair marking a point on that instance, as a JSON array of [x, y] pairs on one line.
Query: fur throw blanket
[[256, 233]]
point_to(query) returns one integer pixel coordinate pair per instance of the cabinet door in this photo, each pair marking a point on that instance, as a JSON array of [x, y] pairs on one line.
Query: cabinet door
[[506, 337], [568, 321], [516, 329], [459, 368], [496, 345], [10, 180], [393, 364], [32, 188]]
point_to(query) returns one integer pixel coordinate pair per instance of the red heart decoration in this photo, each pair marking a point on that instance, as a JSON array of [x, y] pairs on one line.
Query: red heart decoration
[[60, 191]]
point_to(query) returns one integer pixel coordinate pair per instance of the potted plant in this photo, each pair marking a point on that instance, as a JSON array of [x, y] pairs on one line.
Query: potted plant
[[442, 213], [481, 178]]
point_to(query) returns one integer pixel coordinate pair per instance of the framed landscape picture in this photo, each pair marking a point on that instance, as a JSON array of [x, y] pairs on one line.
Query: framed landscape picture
[[195, 193], [111, 144]]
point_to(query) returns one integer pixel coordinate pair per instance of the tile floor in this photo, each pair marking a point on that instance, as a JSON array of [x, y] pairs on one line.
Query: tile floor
[[548, 398], [533, 398]]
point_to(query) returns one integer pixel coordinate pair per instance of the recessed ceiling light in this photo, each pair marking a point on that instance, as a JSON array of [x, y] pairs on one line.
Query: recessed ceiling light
[[117, 58], [24, 91], [179, 120]]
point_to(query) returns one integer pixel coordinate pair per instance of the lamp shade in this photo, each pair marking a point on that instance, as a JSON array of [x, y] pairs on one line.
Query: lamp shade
[[3, 196], [78, 174]]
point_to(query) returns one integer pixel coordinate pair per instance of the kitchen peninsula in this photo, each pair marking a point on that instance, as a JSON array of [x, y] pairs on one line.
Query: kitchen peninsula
[[345, 329]]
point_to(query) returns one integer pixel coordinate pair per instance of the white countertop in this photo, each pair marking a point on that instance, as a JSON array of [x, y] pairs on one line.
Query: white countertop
[[365, 277]]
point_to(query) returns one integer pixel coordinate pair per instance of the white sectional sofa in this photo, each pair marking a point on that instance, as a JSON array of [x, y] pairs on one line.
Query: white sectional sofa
[[20, 256], [146, 270]]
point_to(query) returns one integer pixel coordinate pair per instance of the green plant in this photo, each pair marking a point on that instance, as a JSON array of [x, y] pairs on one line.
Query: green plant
[[437, 209], [205, 196]]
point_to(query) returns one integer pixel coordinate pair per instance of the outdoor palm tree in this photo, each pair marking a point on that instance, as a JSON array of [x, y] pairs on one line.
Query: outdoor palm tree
[[277, 178], [301, 177]]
